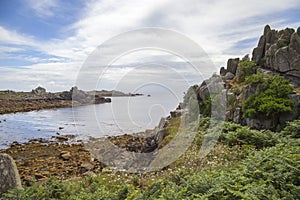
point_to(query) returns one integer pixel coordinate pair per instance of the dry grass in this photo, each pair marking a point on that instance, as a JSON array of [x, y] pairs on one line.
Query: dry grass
[[297, 90]]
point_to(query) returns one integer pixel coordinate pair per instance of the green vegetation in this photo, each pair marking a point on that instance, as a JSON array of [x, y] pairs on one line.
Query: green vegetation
[[205, 107], [171, 131], [245, 68], [234, 134], [244, 164], [271, 98]]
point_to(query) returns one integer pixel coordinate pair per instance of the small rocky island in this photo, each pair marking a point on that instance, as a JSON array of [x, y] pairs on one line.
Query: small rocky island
[[39, 98]]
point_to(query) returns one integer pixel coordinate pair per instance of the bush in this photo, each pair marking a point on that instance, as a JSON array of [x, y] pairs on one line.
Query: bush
[[292, 129], [271, 99], [245, 68], [235, 134], [269, 174]]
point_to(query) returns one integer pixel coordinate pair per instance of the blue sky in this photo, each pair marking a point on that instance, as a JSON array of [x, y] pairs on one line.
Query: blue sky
[[45, 42]]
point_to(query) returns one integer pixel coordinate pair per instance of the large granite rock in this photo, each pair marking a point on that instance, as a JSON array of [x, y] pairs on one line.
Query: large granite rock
[[232, 65], [210, 86], [39, 91], [223, 71], [9, 175], [83, 97], [228, 76], [279, 51]]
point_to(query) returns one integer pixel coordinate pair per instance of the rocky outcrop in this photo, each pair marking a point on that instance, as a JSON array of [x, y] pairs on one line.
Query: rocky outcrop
[[83, 97], [232, 65], [136, 152], [9, 175], [279, 51], [231, 69], [41, 159], [223, 71], [38, 98], [39, 91]]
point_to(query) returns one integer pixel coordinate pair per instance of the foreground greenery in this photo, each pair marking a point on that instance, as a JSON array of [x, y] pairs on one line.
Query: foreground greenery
[[272, 98], [244, 164]]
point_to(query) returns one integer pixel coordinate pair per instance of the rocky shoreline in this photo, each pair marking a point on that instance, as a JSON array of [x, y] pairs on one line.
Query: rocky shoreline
[[40, 159], [65, 158], [39, 98]]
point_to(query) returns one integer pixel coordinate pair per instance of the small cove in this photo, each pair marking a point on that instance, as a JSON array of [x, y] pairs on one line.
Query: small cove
[[122, 115]]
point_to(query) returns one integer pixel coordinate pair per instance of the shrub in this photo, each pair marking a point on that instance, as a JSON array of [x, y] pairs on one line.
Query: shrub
[[269, 174], [271, 99], [235, 134], [292, 129], [245, 69]]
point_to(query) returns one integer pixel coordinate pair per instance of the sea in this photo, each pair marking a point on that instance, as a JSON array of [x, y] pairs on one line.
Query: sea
[[124, 115]]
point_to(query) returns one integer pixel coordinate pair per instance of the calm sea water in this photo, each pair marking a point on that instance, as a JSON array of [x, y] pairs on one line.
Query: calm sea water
[[122, 115]]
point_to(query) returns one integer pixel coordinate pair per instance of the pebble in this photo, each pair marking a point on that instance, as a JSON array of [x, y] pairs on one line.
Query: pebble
[[65, 155], [87, 166], [62, 138]]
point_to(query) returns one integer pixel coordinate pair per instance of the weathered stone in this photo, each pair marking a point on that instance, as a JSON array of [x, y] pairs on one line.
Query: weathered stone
[[295, 44], [210, 86], [223, 71], [176, 113], [65, 155], [9, 175], [162, 123], [282, 63], [237, 115], [87, 166], [78, 95], [160, 135], [267, 29], [229, 76], [232, 65], [294, 77], [62, 138], [265, 71], [258, 52], [39, 176], [39, 91], [279, 51]]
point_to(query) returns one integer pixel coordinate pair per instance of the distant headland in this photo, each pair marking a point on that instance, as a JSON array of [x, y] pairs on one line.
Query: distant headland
[[39, 98]]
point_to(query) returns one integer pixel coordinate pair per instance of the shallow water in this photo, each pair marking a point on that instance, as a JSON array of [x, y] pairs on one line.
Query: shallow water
[[122, 115]]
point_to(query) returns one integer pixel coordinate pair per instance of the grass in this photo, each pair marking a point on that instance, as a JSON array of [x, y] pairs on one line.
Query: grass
[[171, 131], [237, 167], [297, 90]]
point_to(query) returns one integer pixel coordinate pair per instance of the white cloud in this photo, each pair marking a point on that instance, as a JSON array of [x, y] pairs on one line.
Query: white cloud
[[53, 76], [7, 49], [12, 37], [215, 25], [43, 8]]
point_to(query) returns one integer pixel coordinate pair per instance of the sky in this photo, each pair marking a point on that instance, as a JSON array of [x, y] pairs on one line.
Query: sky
[[48, 42]]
